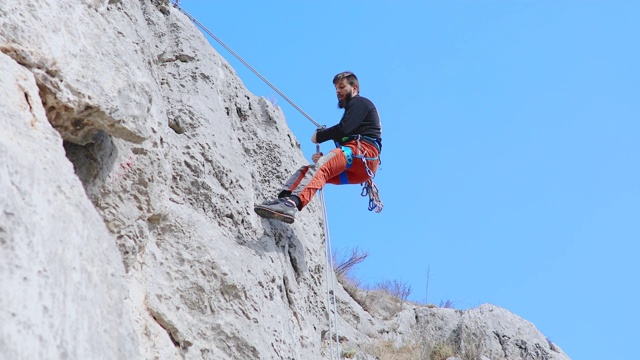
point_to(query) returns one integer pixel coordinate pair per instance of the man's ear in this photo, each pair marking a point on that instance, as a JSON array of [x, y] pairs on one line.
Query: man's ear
[[356, 87]]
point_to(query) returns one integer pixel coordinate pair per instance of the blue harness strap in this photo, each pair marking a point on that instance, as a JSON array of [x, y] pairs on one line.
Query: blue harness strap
[[348, 154]]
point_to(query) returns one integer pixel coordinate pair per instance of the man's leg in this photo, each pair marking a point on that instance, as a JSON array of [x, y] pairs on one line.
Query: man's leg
[[301, 186], [293, 182], [283, 208], [318, 174]]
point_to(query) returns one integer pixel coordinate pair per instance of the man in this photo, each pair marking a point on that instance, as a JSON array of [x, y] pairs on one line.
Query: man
[[358, 136]]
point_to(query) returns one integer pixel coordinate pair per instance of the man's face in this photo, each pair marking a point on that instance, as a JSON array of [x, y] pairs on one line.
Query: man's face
[[344, 92]]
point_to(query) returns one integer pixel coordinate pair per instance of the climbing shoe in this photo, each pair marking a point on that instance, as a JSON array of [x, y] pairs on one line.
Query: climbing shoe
[[283, 209]]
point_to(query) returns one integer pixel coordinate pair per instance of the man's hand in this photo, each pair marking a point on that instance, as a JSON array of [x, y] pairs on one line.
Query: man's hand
[[315, 157], [313, 138]]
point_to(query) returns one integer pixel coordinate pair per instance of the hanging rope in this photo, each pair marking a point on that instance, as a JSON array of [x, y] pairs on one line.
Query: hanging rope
[[331, 286], [175, 4], [331, 300]]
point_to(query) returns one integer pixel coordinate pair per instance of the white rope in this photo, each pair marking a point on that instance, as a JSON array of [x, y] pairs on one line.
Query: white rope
[[331, 285], [175, 4]]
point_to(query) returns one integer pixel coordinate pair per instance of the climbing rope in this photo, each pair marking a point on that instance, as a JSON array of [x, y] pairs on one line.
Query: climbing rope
[[331, 300], [331, 286], [175, 4]]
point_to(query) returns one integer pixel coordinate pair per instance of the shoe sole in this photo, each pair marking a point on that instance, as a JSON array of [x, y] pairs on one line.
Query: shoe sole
[[270, 214]]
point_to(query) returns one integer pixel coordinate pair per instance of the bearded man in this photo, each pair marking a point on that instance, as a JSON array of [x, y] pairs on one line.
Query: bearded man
[[358, 138]]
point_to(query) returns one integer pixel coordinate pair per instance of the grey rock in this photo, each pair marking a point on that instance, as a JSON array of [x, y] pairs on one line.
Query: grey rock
[[488, 331], [61, 275], [130, 159]]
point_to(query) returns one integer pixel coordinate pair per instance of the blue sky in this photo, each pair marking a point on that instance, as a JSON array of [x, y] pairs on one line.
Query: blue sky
[[511, 142]]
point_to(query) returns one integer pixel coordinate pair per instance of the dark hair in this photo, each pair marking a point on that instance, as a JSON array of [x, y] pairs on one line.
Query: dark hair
[[351, 78]]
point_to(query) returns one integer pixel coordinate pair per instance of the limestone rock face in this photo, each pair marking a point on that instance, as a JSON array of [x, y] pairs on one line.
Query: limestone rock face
[[488, 331], [61, 276], [131, 156], [69, 46]]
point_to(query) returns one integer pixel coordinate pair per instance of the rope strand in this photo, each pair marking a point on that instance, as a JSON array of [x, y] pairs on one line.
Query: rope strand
[[331, 286], [175, 4]]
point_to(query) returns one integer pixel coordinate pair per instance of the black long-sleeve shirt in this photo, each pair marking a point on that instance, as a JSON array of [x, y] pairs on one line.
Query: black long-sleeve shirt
[[360, 118]]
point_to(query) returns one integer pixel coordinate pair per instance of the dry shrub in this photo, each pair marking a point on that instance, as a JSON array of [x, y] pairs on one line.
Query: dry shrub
[[386, 297], [446, 304], [396, 288], [343, 266], [349, 354], [441, 352], [385, 350]]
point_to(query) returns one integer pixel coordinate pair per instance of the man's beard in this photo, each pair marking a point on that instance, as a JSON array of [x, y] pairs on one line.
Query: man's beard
[[347, 98]]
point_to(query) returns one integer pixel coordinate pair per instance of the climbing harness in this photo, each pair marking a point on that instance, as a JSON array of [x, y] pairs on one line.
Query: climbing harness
[[369, 188]]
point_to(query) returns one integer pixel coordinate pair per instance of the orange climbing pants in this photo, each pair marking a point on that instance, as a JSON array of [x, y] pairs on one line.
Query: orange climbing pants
[[332, 168]]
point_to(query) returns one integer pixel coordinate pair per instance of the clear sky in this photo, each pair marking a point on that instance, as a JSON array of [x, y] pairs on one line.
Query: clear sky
[[511, 135]]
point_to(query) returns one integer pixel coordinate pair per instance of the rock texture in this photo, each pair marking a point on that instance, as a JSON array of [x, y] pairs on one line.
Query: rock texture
[[61, 277], [131, 155]]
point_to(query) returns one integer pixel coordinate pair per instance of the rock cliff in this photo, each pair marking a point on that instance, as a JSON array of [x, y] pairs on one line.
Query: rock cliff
[[131, 155]]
